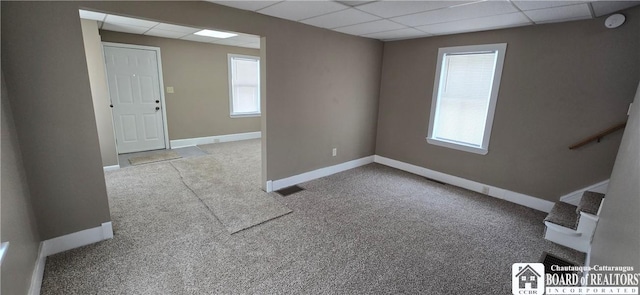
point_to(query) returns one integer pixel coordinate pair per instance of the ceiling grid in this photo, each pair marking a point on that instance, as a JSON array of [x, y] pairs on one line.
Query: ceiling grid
[[383, 20]]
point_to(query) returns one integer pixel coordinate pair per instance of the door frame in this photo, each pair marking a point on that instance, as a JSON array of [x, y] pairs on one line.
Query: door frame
[[163, 105]]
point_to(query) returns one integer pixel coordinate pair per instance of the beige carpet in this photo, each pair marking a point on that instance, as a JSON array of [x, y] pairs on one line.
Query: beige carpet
[[369, 230], [155, 157]]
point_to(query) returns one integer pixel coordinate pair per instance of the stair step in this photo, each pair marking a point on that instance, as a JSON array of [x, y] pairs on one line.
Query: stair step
[[564, 214], [590, 203]]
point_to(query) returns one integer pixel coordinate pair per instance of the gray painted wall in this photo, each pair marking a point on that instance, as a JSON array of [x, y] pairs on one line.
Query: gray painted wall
[[18, 221], [46, 74], [198, 72], [617, 237], [99, 92], [560, 83]]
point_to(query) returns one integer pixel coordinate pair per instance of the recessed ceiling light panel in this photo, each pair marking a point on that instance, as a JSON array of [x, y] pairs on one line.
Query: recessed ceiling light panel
[[215, 34]]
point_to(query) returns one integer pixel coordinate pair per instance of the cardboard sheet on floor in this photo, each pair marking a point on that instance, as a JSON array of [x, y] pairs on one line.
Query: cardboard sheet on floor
[[229, 184]]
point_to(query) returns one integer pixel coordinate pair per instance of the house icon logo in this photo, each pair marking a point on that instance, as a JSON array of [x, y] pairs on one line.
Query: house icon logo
[[527, 278]]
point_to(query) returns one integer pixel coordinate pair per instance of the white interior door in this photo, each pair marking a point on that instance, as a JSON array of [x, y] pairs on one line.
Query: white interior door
[[134, 87]]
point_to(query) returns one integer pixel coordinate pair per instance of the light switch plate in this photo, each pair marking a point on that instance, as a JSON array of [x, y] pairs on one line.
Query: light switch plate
[[169, 89]]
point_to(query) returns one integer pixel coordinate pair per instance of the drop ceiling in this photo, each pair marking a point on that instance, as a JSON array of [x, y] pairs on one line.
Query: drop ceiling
[[383, 20], [393, 20], [130, 25]]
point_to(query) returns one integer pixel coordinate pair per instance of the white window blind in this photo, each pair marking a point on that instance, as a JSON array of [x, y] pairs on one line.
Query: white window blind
[[244, 85], [465, 88], [467, 80]]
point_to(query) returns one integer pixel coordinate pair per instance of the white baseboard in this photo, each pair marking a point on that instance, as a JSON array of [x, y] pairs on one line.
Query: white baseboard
[[78, 239], [38, 271], [269, 186], [573, 198], [496, 192], [110, 168], [179, 143], [322, 172], [65, 243]]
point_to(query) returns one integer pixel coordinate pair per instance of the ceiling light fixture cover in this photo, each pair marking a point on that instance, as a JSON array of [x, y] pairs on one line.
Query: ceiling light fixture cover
[[215, 34], [614, 21]]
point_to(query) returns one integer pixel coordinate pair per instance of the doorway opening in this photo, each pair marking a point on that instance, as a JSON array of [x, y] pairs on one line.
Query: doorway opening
[[168, 87]]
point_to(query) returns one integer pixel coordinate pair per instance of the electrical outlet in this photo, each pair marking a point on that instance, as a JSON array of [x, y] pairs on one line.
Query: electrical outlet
[[335, 152], [485, 190]]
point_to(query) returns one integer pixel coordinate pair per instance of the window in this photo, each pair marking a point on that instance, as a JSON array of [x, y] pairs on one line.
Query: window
[[464, 96], [524, 278], [244, 85]]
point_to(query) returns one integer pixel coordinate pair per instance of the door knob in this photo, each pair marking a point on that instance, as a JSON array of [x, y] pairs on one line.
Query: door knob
[[157, 101], [157, 108]]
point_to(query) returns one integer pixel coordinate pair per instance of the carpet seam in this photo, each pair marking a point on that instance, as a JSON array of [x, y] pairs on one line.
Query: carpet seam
[[235, 232], [196, 195]]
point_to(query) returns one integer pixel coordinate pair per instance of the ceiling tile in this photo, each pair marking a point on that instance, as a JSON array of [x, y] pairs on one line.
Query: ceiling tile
[[124, 28], [356, 3], [299, 10], [559, 13], [469, 11], [477, 24], [246, 38], [371, 27], [172, 31], [341, 18], [248, 45], [388, 9], [116, 19], [532, 5], [85, 14], [192, 37], [601, 8], [176, 28], [246, 5], [363, 19], [398, 34], [560, 20], [164, 33], [254, 43]]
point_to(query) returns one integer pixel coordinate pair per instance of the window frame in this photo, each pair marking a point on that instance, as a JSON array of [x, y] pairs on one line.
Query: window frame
[[483, 149], [232, 114]]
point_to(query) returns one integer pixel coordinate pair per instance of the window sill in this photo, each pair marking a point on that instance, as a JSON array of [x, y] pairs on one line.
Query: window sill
[[245, 115], [457, 146]]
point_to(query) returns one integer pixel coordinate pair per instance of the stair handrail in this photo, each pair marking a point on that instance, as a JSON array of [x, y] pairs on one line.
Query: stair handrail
[[598, 136]]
